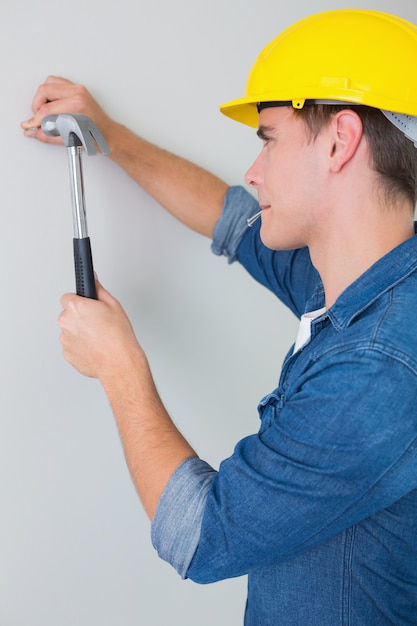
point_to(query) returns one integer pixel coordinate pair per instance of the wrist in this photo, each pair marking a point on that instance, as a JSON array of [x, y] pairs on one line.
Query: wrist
[[128, 368], [119, 139]]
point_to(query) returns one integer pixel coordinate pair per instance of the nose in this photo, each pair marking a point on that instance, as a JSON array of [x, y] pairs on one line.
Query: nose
[[253, 176]]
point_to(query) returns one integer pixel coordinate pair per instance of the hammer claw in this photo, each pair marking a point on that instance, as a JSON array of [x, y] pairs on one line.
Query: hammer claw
[[75, 129]]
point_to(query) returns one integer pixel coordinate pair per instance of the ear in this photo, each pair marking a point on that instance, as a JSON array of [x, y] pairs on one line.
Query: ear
[[346, 132]]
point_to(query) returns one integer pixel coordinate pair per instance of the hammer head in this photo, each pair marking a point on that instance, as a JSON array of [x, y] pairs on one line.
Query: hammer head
[[75, 130]]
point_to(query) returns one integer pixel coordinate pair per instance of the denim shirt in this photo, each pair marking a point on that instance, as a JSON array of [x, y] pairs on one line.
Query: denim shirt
[[319, 507]]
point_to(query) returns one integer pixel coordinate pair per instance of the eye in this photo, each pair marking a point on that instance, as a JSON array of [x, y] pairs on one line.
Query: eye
[[266, 140], [265, 136]]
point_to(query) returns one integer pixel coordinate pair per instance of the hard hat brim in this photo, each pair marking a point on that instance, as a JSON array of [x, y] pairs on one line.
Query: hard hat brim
[[355, 56]]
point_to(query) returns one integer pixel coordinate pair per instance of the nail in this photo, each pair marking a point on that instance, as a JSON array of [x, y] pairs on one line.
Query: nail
[[251, 220]]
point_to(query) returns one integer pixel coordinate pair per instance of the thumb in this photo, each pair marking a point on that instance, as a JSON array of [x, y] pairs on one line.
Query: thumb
[[102, 293]]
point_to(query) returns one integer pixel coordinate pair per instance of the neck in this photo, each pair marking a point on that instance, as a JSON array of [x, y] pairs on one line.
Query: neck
[[344, 253]]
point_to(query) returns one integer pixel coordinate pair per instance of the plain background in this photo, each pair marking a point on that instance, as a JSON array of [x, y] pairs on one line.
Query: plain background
[[74, 540]]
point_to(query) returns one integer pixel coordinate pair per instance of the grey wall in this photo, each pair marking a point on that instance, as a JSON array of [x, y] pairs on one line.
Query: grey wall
[[74, 541]]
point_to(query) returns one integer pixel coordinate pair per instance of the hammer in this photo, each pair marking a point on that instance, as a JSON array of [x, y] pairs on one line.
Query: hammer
[[76, 131]]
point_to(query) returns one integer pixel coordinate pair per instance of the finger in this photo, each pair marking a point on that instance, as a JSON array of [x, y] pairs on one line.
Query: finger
[[102, 294], [46, 102], [62, 323], [58, 79], [55, 98], [36, 132], [33, 126], [67, 299], [54, 89]]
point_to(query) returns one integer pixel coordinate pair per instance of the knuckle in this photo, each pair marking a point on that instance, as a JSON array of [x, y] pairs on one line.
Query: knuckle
[[43, 109], [81, 89]]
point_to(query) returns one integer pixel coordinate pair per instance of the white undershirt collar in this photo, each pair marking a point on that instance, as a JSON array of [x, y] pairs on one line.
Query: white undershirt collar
[[304, 330]]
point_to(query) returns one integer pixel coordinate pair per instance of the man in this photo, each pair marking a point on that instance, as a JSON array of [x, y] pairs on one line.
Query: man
[[319, 507]]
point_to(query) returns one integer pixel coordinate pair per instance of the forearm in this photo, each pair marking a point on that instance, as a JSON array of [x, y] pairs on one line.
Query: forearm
[[98, 340], [191, 194], [153, 446]]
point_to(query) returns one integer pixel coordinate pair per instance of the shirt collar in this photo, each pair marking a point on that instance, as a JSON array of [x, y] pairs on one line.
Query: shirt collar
[[388, 271]]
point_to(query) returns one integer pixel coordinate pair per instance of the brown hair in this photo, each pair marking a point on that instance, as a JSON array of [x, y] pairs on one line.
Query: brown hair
[[394, 157]]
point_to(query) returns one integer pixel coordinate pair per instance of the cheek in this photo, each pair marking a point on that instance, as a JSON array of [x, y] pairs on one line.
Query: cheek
[[280, 169]]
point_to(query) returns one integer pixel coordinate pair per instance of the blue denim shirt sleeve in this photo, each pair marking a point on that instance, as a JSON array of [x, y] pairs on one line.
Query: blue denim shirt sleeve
[[176, 525], [238, 205], [328, 455]]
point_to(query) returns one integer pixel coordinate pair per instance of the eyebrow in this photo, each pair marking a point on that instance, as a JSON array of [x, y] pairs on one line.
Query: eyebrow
[[264, 132]]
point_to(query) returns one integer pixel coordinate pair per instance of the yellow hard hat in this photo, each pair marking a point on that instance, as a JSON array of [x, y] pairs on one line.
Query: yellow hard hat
[[347, 55]]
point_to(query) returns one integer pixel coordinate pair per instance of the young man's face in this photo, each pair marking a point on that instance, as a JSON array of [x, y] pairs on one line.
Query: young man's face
[[288, 176]]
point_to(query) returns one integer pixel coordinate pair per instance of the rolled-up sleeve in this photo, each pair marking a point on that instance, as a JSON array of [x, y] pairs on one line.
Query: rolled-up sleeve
[[176, 526], [238, 205]]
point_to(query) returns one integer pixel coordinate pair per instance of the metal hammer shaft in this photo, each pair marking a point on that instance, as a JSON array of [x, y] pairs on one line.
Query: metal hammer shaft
[[77, 131], [85, 283], [77, 192]]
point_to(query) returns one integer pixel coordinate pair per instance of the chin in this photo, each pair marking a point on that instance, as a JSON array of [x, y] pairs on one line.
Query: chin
[[274, 242]]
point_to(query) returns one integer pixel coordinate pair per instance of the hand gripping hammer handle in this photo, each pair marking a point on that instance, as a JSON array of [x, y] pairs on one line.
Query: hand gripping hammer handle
[[77, 132]]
